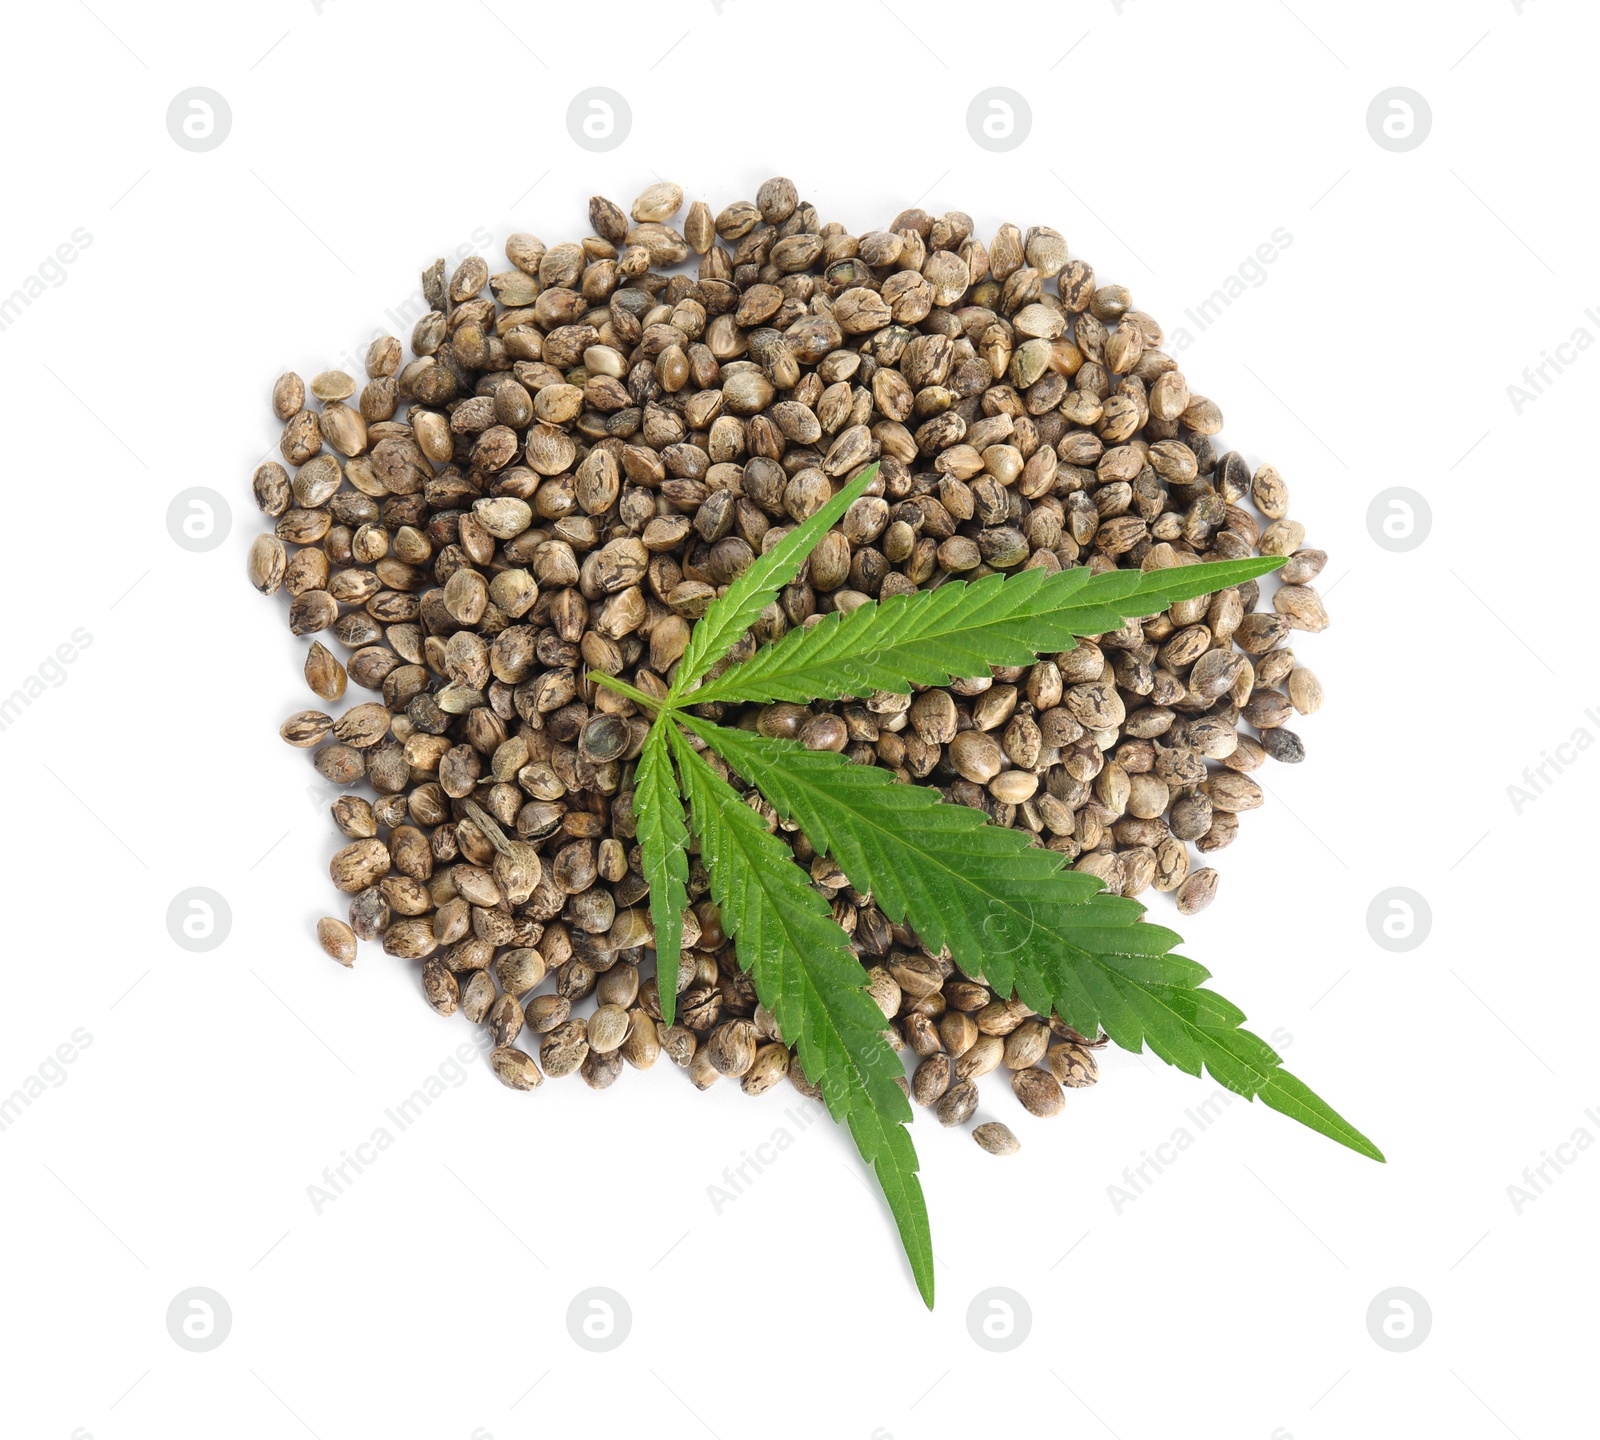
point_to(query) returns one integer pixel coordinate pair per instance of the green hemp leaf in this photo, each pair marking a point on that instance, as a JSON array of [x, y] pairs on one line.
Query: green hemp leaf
[[1008, 911]]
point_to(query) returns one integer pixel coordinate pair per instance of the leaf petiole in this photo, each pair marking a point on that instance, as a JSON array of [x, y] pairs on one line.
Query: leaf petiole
[[627, 691]]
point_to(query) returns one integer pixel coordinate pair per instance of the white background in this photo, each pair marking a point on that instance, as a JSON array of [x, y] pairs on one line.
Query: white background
[[430, 1299]]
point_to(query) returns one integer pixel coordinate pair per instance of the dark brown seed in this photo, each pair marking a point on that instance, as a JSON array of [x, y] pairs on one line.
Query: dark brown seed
[[932, 1078], [315, 610], [1038, 1091], [505, 1019], [731, 1047], [440, 987], [546, 1013], [1073, 1065], [341, 764], [957, 1104], [564, 1049], [601, 1069], [1283, 745]]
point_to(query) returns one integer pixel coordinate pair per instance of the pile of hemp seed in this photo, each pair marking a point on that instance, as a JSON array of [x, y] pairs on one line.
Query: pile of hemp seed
[[586, 447]]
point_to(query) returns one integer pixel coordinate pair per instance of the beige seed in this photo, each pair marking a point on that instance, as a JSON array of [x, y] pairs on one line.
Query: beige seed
[[1305, 691], [1198, 891], [306, 728], [1233, 792], [340, 763], [698, 228], [1013, 787], [1302, 607], [477, 995], [288, 395], [996, 1138], [1223, 832], [359, 864], [1172, 865], [411, 938], [798, 1078], [504, 516], [1267, 709], [1001, 1017], [608, 1028], [702, 1073], [678, 1043], [618, 985], [642, 1045], [268, 563], [1147, 796], [343, 428], [519, 969], [1282, 537], [975, 756], [271, 488], [958, 1032], [312, 611], [324, 674], [363, 725], [332, 385], [1026, 1045], [884, 989], [658, 202], [771, 1065], [338, 940], [515, 1069], [982, 1056]]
